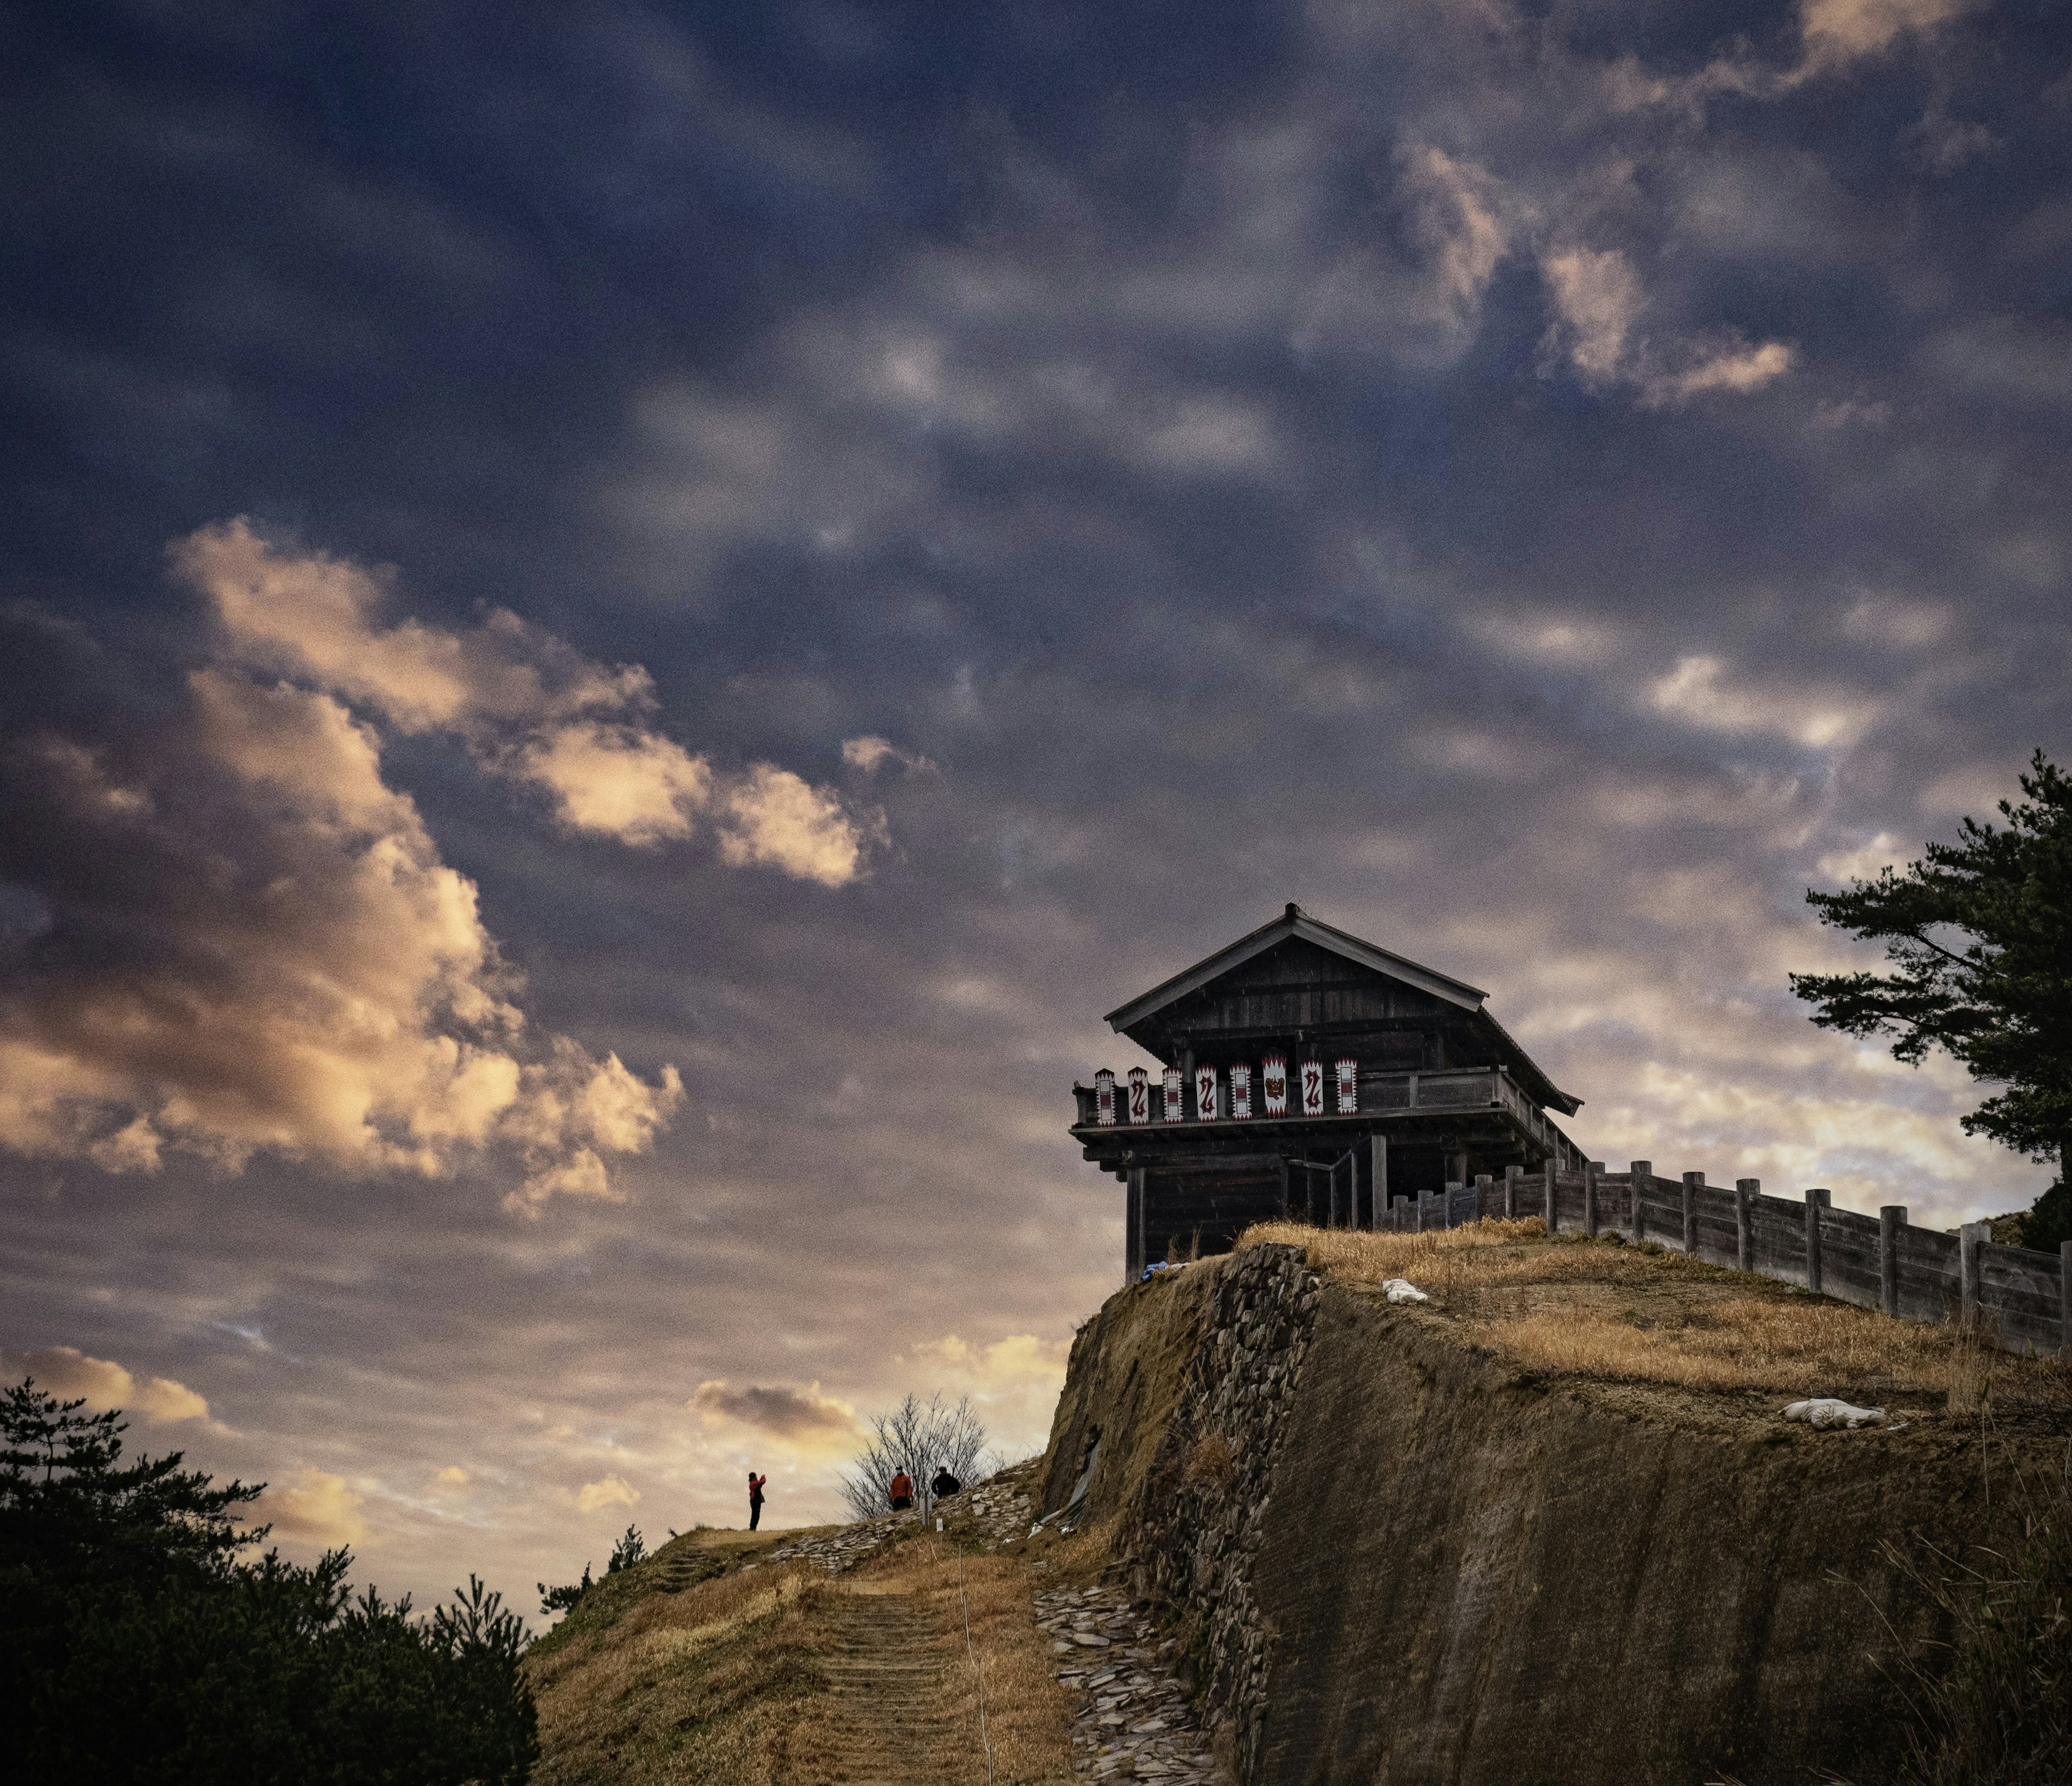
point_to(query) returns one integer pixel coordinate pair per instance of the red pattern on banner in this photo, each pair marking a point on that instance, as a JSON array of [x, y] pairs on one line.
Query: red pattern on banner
[[1140, 1095], [1312, 1088], [1205, 1094], [1273, 1084]]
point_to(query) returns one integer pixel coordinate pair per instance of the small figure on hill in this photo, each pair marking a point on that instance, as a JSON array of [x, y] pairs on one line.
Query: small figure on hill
[[900, 1490], [755, 1499], [944, 1483]]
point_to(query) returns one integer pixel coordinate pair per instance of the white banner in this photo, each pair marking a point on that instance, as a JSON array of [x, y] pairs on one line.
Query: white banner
[[1273, 1084], [1140, 1095], [1175, 1094], [1241, 1093], [1205, 1094], [1104, 1098], [1348, 1086], [1312, 1088]]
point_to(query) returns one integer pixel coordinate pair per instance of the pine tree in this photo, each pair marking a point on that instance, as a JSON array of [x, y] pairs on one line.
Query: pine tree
[[1980, 932]]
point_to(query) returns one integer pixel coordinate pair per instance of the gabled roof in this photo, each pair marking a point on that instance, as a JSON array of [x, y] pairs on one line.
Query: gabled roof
[[1295, 922]]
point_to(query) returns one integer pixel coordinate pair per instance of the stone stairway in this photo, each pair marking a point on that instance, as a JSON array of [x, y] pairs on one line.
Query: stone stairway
[[888, 1689]]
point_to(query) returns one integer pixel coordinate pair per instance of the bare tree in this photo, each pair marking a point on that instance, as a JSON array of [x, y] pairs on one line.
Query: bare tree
[[919, 1437]]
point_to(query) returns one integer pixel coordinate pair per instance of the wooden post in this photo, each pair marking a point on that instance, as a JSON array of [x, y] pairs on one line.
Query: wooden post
[[1460, 1174], [1132, 1241], [1453, 1186], [2065, 1296], [1591, 1168], [1553, 1209], [1815, 1202], [1693, 1184], [1511, 1175], [1377, 1192], [1284, 1190], [1970, 1238], [1892, 1218], [1641, 1170], [1746, 1191], [1483, 1183], [1398, 1215]]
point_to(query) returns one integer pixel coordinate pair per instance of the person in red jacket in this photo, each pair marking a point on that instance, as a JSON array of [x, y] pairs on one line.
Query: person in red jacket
[[901, 1490], [755, 1499]]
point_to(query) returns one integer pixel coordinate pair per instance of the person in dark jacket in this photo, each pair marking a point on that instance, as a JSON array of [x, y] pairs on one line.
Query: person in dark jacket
[[900, 1492], [944, 1483], [755, 1499]]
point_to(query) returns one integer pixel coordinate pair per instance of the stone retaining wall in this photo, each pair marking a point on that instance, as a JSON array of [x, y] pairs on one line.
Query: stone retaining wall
[[1197, 1524]]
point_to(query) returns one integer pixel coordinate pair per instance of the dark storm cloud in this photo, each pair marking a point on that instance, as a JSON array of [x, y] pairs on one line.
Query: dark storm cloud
[[775, 1408], [1541, 487]]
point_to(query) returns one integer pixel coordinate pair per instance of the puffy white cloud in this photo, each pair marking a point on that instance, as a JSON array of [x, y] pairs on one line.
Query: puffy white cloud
[[1597, 297], [1839, 32], [637, 787], [608, 1492], [771, 815], [285, 962], [530, 707], [71, 1374], [1701, 691], [1736, 370], [315, 1507], [1598, 303]]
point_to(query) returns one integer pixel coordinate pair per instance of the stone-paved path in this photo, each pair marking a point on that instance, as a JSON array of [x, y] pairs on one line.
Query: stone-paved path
[[888, 1688], [1001, 1507], [1130, 1720]]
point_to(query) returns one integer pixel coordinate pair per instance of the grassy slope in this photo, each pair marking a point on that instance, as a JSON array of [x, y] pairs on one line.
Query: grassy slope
[[722, 1680]]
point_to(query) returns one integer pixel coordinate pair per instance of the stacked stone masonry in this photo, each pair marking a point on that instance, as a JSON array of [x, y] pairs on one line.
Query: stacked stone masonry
[[1198, 1523], [1131, 1720]]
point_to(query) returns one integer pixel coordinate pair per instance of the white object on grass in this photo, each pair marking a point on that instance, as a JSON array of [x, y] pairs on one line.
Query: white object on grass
[[1828, 1410], [1401, 1289]]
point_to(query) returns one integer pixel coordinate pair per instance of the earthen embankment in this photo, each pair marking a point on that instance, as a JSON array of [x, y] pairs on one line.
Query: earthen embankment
[[1396, 1556]]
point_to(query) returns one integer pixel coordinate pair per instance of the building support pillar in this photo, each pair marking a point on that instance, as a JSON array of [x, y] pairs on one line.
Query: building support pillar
[[1134, 1223]]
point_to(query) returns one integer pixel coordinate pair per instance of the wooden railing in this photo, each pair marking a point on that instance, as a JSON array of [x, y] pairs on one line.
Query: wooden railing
[[1380, 1093], [2022, 1299]]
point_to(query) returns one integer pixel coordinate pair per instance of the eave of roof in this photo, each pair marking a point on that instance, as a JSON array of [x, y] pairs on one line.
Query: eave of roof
[[1295, 922]]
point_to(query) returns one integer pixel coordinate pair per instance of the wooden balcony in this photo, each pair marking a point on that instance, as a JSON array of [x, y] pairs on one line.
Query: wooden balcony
[[1388, 1102]]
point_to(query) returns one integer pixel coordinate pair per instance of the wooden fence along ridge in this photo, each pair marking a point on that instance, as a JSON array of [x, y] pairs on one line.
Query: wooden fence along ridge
[[2023, 1299]]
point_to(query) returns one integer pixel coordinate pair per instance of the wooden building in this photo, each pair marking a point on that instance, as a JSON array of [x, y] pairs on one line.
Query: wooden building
[[1304, 1072]]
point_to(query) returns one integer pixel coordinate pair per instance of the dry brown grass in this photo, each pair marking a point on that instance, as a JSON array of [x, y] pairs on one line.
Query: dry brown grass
[[690, 1687], [1608, 1311], [1028, 1715], [722, 1684]]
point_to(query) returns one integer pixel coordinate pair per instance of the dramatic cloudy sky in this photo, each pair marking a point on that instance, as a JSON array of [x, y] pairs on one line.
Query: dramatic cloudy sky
[[621, 623]]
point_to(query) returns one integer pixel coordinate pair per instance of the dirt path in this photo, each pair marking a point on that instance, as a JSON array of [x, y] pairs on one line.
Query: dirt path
[[885, 1680]]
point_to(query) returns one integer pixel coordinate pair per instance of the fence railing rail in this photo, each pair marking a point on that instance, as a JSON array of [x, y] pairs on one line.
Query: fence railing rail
[[2023, 1297]]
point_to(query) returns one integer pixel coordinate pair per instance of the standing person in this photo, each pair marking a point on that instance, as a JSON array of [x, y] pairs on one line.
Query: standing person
[[944, 1484], [755, 1499], [900, 1492]]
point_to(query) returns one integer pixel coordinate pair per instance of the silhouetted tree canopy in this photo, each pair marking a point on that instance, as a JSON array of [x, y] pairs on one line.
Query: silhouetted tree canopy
[[1979, 933], [135, 1648]]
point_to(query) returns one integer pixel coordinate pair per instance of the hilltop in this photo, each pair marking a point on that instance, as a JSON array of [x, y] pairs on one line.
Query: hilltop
[[1314, 1535]]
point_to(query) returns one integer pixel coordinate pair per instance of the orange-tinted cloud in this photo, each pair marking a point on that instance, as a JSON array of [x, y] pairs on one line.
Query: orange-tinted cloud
[[70, 1374], [315, 1507]]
